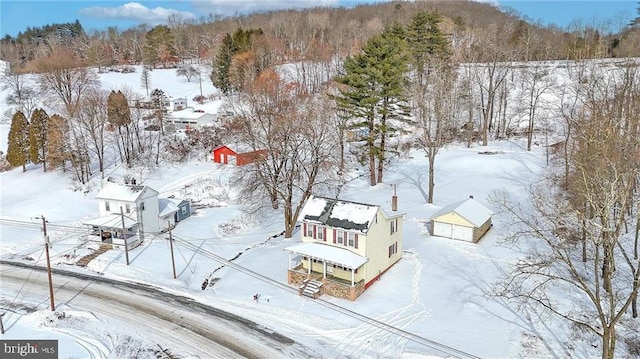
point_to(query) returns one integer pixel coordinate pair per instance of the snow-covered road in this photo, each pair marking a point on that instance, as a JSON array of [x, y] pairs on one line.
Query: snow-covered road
[[184, 327]]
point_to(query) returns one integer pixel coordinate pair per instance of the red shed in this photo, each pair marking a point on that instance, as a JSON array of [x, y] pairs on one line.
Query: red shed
[[224, 154]]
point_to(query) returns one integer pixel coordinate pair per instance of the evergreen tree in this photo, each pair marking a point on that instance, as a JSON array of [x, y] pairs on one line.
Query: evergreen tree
[[159, 47], [426, 41], [38, 129], [18, 147], [232, 45], [222, 65], [56, 141], [375, 83]]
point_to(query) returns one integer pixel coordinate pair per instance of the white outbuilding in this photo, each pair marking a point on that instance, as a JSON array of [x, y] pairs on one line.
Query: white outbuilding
[[466, 220]]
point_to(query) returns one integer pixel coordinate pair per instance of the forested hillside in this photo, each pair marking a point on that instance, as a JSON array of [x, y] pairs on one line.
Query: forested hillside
[[315, 34]]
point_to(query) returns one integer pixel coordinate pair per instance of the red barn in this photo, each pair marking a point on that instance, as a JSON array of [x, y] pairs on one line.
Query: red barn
[[224, 154]]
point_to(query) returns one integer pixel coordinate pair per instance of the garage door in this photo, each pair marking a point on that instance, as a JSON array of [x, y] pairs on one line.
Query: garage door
[[453, 231], [442, 229], [463, 233]]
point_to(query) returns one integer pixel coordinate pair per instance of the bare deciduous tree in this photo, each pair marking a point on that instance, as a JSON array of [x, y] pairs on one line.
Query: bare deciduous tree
[[20, 93], [435, 108], [576, 235], [64, 76], [290, 127]]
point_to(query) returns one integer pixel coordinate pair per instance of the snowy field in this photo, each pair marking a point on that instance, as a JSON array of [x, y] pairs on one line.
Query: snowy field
[[436, 291]]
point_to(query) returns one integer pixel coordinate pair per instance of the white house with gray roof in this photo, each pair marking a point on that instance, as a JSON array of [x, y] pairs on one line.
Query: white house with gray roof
[[345, 247]]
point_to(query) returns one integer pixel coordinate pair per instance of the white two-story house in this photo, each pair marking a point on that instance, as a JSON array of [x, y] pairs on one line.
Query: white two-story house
[[346, 246], [127, 213]]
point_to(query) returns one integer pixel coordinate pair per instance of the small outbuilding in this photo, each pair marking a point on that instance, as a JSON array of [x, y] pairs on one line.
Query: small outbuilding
[[184, 209], [466, 220], [224, 154]]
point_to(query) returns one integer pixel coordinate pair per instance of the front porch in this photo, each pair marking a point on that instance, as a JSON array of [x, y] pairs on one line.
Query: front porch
[[331, 285], [336, 268], [114, 230]]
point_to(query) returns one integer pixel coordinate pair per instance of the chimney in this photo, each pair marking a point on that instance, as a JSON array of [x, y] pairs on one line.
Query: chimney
[[471, 196], [394, 199]]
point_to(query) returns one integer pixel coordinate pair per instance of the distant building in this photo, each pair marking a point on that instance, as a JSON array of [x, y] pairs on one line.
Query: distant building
[[174, 104], [190, 119], [225, 155]]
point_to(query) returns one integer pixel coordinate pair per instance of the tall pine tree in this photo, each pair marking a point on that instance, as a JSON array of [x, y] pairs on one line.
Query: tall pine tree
[[375, 81], [222, 65], [38, 129], [18, 147], [240, 42], [159, 47]]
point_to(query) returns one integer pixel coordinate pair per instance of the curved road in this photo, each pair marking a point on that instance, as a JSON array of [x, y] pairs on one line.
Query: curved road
[[180, 324]]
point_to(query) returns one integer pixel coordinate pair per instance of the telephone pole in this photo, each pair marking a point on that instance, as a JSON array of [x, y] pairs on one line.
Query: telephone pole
[[124, 236], [1, 324], [46, 248], [173, 263]]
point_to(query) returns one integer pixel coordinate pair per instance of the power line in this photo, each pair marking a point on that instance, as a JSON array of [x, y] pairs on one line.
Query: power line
[[442, 348]]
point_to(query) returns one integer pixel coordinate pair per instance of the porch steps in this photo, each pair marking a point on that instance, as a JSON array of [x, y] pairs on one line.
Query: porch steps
[[312, 289], [82, 262]]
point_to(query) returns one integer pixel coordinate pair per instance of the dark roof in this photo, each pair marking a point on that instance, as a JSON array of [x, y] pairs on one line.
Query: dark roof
[[339, 213]]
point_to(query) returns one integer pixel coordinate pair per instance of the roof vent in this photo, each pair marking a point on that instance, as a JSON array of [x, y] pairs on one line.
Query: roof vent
[[471, 196]]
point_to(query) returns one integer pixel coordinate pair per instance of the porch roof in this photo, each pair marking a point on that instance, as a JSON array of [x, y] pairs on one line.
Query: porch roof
[[330, 254], [111, 221]]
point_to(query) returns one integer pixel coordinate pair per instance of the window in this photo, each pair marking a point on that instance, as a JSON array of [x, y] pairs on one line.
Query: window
[[142, 206], [320, 232], [340, 237], [351, 240], [106, 206], [127, 208], [184, 210], [393, 249], [309, 230], [394, 226]]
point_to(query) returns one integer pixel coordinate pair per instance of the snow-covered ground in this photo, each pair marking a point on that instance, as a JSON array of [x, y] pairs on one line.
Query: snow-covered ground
[[436, 291]]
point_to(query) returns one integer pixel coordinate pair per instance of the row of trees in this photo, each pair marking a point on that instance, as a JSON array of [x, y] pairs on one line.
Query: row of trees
[[40, 140]]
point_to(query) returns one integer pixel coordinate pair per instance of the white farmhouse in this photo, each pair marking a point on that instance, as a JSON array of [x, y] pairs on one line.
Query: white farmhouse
[[127, 213]]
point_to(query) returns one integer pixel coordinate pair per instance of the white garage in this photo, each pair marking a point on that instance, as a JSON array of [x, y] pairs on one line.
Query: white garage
[[467, 220]]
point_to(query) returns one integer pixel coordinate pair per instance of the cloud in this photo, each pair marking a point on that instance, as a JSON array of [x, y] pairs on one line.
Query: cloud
[[231, 7], [135, 11]]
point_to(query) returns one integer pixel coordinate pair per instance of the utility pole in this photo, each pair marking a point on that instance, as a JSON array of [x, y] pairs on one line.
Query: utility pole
[[173, 263], [1, 325], [46, 248], [124, 236]]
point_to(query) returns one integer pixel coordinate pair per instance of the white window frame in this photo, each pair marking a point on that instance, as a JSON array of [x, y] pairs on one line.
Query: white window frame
[[319, 233], [309, 230], [107, 207], [340, 237], [351, 239]]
